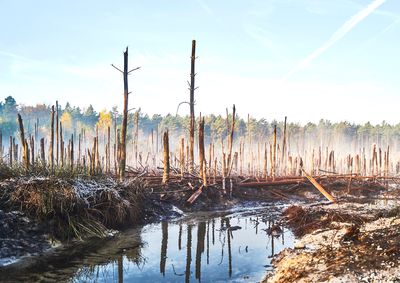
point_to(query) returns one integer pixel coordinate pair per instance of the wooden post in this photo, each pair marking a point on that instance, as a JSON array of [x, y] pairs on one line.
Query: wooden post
[[51, 147], [192, 118], [165, 178]]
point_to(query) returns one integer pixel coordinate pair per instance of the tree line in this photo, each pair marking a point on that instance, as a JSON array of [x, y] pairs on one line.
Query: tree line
[[216, 127]]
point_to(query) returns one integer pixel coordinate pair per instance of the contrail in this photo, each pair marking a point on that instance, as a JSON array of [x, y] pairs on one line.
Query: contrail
[[336, 36]]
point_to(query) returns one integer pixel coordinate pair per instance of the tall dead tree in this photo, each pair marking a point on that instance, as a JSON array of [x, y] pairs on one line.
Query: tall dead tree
[[191, 102], [125, 73]]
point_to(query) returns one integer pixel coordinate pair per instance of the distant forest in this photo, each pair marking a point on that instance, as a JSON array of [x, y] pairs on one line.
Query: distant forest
[[324, 133]]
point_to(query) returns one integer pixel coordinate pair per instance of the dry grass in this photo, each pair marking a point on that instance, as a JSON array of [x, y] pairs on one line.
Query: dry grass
[[75, 208]]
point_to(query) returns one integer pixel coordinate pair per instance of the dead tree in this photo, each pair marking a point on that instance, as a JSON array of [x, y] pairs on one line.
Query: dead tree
[[274, 156], [10, 151], [230, 145], [191, 102], [24, 144], [202, 157], [165, 178], [1, 147], [284, 147], [125, 73], [57, 134], [42, 155], [51, 147]]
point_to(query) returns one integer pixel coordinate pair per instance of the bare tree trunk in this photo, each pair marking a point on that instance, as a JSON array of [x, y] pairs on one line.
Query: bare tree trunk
[[51, 148], [274, 156], [232, 131], [72, 152], [32, 142], [42, 155], [182, 157], [165, 178], [61, 146], [202, 161], [57, 134], [136, 136], [192, 118], [10, 151], [1, 147], [284, 147], [23, 142]]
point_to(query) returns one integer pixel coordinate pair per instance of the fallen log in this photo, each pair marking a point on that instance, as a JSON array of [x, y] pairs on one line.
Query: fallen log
[[318, 186], [195, 195]]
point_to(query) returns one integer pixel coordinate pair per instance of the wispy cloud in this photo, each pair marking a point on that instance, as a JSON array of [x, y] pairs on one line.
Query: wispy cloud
[[205, 7], [336, 36], [263, 37]]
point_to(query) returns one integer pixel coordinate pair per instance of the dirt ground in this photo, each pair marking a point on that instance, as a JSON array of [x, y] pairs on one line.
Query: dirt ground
[[356, 240]]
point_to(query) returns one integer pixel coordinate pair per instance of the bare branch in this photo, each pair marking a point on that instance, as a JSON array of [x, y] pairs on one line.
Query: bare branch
[[177, 109], [137, 68], [116, 68]]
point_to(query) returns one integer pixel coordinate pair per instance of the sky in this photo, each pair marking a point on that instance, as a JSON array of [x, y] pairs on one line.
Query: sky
[[305, 59]]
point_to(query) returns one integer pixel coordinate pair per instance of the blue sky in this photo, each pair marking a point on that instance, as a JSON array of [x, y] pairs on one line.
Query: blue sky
[[304, 59]]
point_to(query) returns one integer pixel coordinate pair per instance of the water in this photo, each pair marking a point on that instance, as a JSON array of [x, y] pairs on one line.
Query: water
[[198, 247]]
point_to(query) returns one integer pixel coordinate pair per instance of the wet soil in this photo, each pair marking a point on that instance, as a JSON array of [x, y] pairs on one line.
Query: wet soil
[[346, 242]]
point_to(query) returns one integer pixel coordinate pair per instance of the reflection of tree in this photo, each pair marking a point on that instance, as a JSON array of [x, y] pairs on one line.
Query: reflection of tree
[[201, 233], [180, 237], [164, 246], [188, 253], [229, 232], [120, 269], [87, 261]]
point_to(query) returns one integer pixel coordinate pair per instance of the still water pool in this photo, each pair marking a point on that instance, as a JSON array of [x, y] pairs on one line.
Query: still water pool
[[226, 246]]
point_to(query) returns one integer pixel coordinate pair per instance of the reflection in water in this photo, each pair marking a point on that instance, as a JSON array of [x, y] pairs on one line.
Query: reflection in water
[[164, 246], [120, 269], [188, 253], [157, 253], [201, 232]]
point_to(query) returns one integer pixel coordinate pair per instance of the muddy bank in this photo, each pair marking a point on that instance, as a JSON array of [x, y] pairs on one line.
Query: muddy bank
[[346, 242]]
